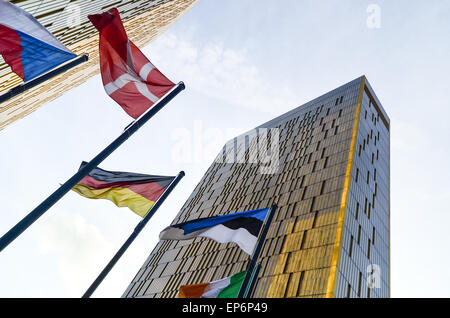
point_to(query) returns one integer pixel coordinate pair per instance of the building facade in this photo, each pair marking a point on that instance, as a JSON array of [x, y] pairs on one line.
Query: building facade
[[329, 175], [144, 20]]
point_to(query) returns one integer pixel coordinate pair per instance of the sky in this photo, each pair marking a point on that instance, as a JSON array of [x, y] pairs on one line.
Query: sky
[[244, 62]]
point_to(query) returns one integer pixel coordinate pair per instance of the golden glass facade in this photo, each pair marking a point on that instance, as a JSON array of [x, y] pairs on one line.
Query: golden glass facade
[[144, 20], [330, 234]]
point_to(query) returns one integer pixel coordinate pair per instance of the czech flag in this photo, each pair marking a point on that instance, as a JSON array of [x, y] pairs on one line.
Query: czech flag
[[136, 191], [28, 48], [128, 76], [224, 288], [241, 228]]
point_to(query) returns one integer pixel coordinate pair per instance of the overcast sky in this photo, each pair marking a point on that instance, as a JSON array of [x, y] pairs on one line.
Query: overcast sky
[[243, 63]]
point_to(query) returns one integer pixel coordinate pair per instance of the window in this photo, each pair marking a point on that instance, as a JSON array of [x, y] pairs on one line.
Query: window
[[322, 189], [349, 289], [304, 192], [325, 163], [337, 101], [373, 235], [350, 249], [340, 113], [336, 130], [342, 98], [301, 182], [359, 284], [359, 152], [357, 174], [368, 249], [357, 211], [312, 204], [359, 234], [368, 176]]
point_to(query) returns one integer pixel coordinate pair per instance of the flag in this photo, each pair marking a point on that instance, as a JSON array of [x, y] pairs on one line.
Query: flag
[[136, 191], [26, 46], [128, 76], [241, 228], [225, 288]]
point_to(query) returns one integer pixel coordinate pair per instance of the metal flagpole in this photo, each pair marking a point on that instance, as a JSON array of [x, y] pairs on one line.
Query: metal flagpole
[[13, 92], [20, 227], [133, 235], [251, 265], [249, 290]]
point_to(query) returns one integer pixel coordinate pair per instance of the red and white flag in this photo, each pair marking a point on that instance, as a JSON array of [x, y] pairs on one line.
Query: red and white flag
[[128, 76]]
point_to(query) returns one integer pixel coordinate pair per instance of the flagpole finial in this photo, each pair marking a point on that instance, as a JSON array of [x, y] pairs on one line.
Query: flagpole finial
[[181, 85]]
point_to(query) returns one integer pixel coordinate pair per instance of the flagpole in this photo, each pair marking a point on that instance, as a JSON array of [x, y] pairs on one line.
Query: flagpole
[[20, 227], [251, 265], [249, 290], [13, 92], [133, 235]]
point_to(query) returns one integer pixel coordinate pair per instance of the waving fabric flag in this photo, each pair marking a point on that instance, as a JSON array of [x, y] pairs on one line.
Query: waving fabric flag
[[28, 48], [128, 76], [241, 228], [136, 191], [225, 288]]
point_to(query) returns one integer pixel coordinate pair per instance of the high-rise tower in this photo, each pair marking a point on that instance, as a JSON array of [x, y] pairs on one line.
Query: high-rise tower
[[144, 20], [329, 174]]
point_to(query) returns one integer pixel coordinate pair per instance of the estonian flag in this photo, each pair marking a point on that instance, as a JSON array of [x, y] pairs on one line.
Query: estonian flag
[[225, 288], [136, 191], [241, 228]]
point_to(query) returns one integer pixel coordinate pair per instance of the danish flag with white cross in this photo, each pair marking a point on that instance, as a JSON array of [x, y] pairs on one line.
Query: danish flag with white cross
[[128, 76]]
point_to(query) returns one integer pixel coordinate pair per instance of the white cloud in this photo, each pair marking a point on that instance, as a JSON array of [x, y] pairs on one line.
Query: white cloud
[[220, 72], [79, 248]]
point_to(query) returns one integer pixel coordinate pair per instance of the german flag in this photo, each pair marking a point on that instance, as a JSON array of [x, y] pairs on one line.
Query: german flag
[[136, 191]]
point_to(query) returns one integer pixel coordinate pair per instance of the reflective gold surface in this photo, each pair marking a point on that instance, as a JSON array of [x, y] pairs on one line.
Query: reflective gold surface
[[306, 252]]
